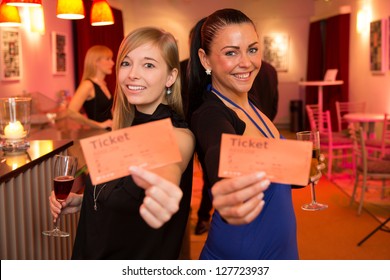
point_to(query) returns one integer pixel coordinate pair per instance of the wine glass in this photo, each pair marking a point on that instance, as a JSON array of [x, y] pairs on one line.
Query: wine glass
[[63, 173], [313, 136]]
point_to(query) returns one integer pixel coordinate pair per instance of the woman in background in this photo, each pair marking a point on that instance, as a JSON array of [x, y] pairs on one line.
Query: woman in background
[[92, 94]]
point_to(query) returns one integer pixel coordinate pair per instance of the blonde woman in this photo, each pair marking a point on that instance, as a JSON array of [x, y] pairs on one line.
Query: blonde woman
[[143, 215], [92, 95]]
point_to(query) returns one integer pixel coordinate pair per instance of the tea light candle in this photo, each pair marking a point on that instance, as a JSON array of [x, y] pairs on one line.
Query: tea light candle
[[14, 130]]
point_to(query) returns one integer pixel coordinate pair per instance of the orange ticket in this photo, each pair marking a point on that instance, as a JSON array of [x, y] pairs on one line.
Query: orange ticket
[[151, 145], [284, 161]]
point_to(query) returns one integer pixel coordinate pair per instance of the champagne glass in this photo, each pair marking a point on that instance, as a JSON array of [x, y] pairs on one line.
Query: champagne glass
[[313, 136], [63, 173]]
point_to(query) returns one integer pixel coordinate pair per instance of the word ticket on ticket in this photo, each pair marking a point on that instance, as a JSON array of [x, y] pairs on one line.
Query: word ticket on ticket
[[151, 145], [284, 161]]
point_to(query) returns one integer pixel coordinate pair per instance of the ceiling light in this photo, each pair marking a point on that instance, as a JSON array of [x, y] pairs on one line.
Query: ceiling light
[[9, 15], [70, 9], [101, 13], [23, 3]]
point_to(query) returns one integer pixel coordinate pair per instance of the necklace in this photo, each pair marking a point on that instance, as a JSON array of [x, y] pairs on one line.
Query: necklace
[[210, 87], [95, 198]]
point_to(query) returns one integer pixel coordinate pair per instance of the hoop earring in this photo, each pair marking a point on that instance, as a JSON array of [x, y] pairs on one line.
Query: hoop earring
[[169, 91], [208, 72]]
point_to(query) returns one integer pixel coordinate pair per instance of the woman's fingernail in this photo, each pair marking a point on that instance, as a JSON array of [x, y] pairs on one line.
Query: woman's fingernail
[[260, 174], [265, 183], [133, 168], [262, 203]]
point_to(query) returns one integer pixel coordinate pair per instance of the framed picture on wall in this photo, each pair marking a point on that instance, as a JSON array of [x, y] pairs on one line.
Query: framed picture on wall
[[275, 51], [378, 43], [10, 52], [59, 53]]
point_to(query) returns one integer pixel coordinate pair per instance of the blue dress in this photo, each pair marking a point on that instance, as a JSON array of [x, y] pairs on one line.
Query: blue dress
[[272, 235]]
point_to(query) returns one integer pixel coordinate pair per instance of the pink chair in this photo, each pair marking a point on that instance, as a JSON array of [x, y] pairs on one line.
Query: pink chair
[[312, 111], [335, 145], [367, 167], [343, 108], [382, 145]]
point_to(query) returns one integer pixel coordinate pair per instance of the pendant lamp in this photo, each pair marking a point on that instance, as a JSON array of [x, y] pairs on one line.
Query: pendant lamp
[[23, 3], [101, 13], [70, 9], [9, 15]]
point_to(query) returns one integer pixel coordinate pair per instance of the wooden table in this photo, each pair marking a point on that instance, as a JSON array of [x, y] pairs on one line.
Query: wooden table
[[320, 85], [367, 120]]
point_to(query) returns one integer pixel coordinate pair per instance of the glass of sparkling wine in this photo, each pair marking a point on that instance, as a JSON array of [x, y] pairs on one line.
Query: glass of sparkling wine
[[313, 136], [63, 177]]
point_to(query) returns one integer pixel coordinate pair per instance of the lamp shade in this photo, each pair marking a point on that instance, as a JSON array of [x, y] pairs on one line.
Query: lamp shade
[[101, 13], [9, 15], [23, 3], [70, 9]]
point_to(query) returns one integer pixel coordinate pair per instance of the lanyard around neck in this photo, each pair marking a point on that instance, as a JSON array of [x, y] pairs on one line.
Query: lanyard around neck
[[210, 88]]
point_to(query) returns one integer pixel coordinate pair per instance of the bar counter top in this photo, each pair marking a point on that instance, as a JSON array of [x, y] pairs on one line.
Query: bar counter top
[[13, 164], [47, 139]]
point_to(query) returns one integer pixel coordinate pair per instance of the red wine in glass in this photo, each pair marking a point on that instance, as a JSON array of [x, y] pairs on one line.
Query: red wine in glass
[[62, 187], [64, 170]]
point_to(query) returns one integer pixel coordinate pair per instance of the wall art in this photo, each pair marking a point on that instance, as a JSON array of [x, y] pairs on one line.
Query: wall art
[[59, 53], [275, 51], [10, 52], [378, 42]]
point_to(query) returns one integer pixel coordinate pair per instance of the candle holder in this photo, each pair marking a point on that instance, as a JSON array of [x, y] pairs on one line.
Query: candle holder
[[15, 117]]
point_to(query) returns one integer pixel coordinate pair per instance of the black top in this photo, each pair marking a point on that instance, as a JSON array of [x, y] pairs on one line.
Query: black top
[[208, 130], [116, 230], [98, 108]]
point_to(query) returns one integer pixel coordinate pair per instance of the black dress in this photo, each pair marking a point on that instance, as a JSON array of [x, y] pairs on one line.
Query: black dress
[[98, 108], [116, 230]]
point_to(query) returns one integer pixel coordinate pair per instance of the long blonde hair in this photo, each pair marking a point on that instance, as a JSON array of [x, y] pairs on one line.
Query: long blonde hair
[[93, 55], [123, 111]]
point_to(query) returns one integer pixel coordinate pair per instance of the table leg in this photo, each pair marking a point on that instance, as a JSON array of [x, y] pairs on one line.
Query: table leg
[[371, 130]]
